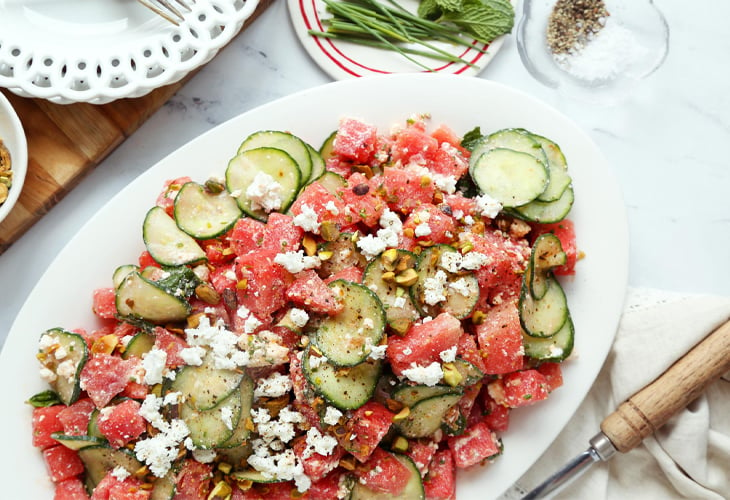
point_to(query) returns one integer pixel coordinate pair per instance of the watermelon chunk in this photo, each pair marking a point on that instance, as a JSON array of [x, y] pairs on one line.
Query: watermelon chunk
[[355, 140], [524, 388], [476, 444], [121, 423], [104, 376], [440, 482], [383, 473], [500, 339], [75, 418], [423, 342], [70, 489], [45, 422], [310, 292], [62, 463], [112, 488], [365, 429]]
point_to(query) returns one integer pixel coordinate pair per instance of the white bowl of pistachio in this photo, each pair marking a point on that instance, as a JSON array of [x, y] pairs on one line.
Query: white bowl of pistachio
[[13, 157]]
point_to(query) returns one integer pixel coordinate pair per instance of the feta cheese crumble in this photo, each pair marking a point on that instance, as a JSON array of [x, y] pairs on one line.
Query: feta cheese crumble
[[488, 206], [264, 193], [153, 363], [296, 262], [427, 375], [273, 386], [434, 288], [307, 219]]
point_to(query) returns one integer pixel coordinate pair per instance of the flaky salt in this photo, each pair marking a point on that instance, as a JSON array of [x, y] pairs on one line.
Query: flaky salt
[[606, 54]]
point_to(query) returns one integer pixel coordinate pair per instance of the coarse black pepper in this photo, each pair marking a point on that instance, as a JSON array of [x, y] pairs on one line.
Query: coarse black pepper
[[573, 22]]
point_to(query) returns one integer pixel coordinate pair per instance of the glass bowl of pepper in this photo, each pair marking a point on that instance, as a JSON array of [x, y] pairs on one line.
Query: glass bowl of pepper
[[13, 157], [594, 50]]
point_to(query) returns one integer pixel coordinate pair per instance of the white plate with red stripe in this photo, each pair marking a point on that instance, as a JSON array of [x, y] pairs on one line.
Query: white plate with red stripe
[[342, 60]]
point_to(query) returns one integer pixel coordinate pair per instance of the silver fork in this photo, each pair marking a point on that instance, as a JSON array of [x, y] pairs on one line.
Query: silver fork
[[166, 9]]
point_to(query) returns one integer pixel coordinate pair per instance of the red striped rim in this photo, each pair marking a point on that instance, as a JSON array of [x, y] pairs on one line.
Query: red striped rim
[[337, 56]]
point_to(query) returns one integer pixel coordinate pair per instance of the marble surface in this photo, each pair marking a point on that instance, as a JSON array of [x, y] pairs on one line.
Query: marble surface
[[665, 143]]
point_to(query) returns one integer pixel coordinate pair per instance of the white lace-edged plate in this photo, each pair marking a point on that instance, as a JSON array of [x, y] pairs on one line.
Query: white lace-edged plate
[[97, 51]]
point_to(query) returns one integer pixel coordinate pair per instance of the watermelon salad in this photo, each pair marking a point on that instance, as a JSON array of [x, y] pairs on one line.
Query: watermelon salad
[[352, 321]]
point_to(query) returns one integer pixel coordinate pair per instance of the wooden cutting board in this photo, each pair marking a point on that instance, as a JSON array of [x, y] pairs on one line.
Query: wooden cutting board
[[66, 142]]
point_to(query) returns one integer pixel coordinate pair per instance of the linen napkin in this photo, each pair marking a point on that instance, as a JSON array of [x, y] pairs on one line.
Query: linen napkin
[[687, 458]]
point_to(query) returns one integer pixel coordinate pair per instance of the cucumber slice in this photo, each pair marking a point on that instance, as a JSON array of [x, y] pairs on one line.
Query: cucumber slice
[[346, 337], [67, 367], [545, 316], [138, 297], [99, 460], [546, 212], [164, 488], [344, 388], [77, 442], [93, 428], [410, 395], [554, 348], [547, 253], [139, 345], [240, 429], [399, 309], [291, 144], [470, 374], [204, 387], [509, 138], [412, 491], [122, 272], [511, 177], [209, 428], [166, 242], [557, 168], [332, 182], [426, 416], [278, 165], [326, 149], [203, 214], [255, 477], [318, 165], [343, 254], [460, 291]]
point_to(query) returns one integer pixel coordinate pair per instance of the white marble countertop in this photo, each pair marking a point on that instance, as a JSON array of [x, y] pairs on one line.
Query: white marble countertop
[[664, 142]]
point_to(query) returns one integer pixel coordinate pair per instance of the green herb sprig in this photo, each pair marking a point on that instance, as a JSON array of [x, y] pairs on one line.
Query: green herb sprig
[[390, 26]]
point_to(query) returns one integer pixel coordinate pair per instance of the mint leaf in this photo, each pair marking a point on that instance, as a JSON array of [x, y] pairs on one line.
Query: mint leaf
[[429, 9], [471, 138], [43, 399], [482, 22], [449, 5]]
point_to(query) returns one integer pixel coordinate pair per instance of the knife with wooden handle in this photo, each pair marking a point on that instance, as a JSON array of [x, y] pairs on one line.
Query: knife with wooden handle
[[650, 408]]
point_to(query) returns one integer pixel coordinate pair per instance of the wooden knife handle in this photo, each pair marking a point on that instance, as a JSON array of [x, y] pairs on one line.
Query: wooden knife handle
[[651, 407]]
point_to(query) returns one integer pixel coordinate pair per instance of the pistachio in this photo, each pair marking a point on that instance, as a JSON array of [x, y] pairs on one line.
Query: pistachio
[[193, 320], [400, 326], [407, 278], [207, 294], [309, 244], [388, 276], [325, 255], [400, 445], [214, 186], [478, 317], [348, 462], [225, 467], [389, 258], [452, 376], [221, 490], [329, 231], [364, 169], [105, 344], [402, 414]]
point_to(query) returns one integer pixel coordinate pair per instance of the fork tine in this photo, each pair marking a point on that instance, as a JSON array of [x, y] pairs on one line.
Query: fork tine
[[184, 5], [166, 14]]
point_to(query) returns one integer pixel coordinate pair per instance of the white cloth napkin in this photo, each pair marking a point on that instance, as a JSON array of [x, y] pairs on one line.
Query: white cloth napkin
[[687, 458]]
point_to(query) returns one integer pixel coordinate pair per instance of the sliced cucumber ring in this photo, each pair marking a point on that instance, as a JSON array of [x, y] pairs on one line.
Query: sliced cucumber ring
[[438, 290], [546, 212], [344, 388], [318, 164], [138, 297], [426, 416], [511, 177], [278, 165], [554, 348], [99, 460], [543, 317], [202, 214], [203, 387], [410, 395], [547, 253], [166, 242], [557, 168], [67, 368], [509, 138], [346, 337], [291, 144], [209, 428]]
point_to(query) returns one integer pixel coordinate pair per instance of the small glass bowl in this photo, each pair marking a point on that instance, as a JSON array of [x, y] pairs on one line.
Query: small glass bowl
[[635, 43]]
